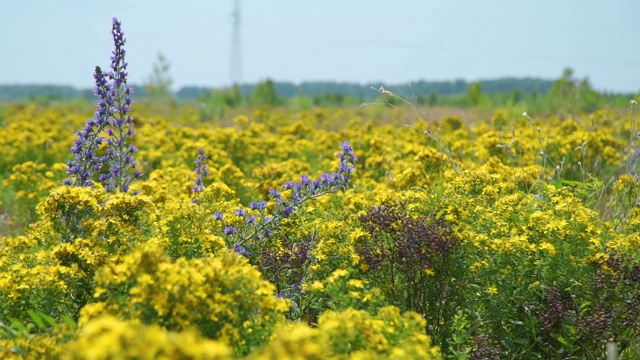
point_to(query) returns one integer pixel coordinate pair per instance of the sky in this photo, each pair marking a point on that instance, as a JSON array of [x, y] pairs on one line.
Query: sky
[[373, 41]]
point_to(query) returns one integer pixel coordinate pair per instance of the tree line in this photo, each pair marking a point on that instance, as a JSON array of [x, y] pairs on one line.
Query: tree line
[[290, 90], [567, 94]]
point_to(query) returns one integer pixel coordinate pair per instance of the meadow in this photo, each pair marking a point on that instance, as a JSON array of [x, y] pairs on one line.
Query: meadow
[[325, 233]]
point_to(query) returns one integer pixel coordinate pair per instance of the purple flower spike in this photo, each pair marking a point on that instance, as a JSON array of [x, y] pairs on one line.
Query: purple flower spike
[[201, 171], [114, 170]]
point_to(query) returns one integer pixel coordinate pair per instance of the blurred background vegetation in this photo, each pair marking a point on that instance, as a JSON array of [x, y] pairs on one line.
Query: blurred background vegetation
[[562, 96]]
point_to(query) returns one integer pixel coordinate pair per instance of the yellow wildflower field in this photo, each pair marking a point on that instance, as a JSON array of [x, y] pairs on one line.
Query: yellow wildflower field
[[324, 233]]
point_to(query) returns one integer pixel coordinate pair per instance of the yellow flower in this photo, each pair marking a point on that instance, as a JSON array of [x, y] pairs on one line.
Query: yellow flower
[[316, 286], [479, 265], [336, 275], [355, 283], [492, 290], [548, 247]]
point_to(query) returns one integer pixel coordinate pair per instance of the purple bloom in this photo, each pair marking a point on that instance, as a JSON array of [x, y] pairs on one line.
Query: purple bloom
[[260, 205], [287, 211], [230, 230], [241, 250], [287, 295], [274, 193], [288, 185], [348, 151], [218, 215]]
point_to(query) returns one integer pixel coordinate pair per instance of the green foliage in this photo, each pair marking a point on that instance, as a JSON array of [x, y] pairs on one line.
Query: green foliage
[[265, 94], [568, 95], [334, 99], [39, 337], [474, 93], [218, 103]]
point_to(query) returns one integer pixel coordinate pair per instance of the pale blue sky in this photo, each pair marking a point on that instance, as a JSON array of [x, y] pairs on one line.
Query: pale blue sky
[[387, 42]]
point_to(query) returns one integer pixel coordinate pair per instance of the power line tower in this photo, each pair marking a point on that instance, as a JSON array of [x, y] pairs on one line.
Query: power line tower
[[236, 56]]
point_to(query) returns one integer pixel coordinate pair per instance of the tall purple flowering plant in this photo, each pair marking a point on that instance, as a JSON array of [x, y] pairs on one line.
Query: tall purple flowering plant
[[116, 168]]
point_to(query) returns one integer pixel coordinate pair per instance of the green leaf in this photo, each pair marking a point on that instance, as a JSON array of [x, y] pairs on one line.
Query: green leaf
[[584, 307], [67, 319], [37, 319], [515, 218], [522, 341], [49, 320], [439, 214], [574, 183], [18, 326], [564, 341], [509, 344]]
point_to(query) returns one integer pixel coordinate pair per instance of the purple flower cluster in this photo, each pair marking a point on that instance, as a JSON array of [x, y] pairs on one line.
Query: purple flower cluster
[[116, 168], [328, 183], [290, 293], [86, 162], [201, 171], [262, 226]]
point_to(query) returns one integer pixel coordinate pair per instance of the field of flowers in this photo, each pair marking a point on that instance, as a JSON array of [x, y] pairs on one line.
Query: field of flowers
[[317, 234]]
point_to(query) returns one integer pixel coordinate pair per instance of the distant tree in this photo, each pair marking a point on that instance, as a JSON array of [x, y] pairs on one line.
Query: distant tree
[[192, 92], [300, 102], [432, 100], [590, 100], [265, 94], [232, 97], [516, 96], [329, 99], [217, 103], [565, 87], [572, 95], [159, 83], [474, 92]]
